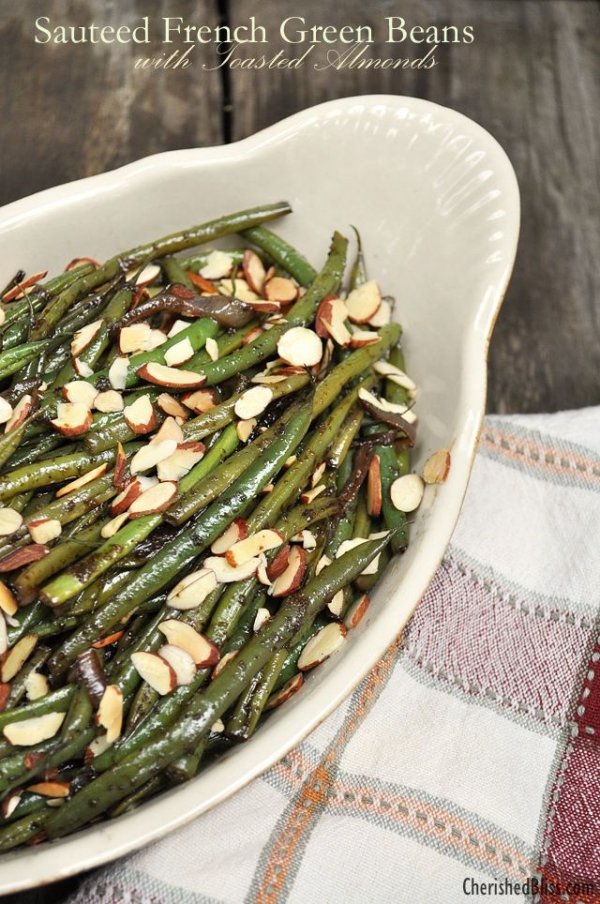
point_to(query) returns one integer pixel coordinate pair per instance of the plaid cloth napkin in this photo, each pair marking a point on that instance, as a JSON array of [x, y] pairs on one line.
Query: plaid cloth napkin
[[466, 766]]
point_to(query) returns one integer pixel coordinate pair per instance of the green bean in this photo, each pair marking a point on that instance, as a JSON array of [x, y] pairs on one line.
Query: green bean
[[282, 253], [55, 702], [19, 682], [348, 432], [358, 274], [52, 470], [249, 708]]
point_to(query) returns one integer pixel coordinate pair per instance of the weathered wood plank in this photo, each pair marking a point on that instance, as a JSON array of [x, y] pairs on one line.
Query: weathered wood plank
[[531, 77]]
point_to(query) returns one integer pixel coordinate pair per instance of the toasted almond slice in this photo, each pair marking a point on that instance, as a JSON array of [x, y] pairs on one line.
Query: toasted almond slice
[[309, 495], [253, 402], [50, 789], [110, 712], [357, 611], [317, 474], [29, 732], [203, 651], [290, 461], [200, 401], [156, 339], [254, 271], [278, 563], [252, 546], [321, 645], [82, 368], [323, 562], [284, 693], [149, 456], [21, 411], [336, 603], [361, 338], [155, 671], [10, 521], [146, 276], [114, 525], [245, 429], [261, 572], [347, 545], [82, 481], [382, 316], [78, 261], [374, 488], [128, 495], [300, 347], [291, 579], [10, 803], [269, 487], [17, 656], [8, 603], [177, 327], [6, 410], [237, 530], [23, 555], [218, 265], [403, 410], [44, 530], [308, 539], [222, 663], [161, 375], [95, 748], [265, 379], [24, 287], [169, 429], [437, 467], [406, 492], [363, 302], [217, 727], [192, 590], [171, 406], [261, 618], [394, 374], [140, 415], [109, 401], [281, 289], [83, 337], [212, 348], [331, 321], [181, 461], [156, 499], [80, 392], [252, 334], [238, 288], [179, 353], [180, 661], [117, 373], [226, 573], [72, 419], [135, 338]]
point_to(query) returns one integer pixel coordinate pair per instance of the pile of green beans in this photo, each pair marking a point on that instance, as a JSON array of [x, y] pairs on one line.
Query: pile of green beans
[[83, 596]]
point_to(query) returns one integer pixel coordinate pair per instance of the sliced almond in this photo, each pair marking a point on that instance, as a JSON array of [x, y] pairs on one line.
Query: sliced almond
[[279, 563], [72, 418], [317, 474], [226, 573], [8, 602], [309, 495], [109, 401], [128, 495], [20, 413], [374, 488], [171, 406], [252, 546], [180, 661], [80, 392], [200, 401], [261, 618], [120, 473], [252, 334], [146, 276], [253, 402], [291, 579], [323, 562], [117, 373], [212, 349], [23, 555], [265, 379], [245, 429], [281, 289], [261, 572], [135, 338], [161, 375], [363, 302], [156, 499], [17, 656], [150, 455], [95, 748], [4, 688], [24, 287], [140, 415], [78, 261], [290, 461], [382, 316], [437, 467], [82, 368], [394, 374], [357, 611], [29, 732], [110, 712], [203, 651], [169, 429], [181, 461], [83, 337], [238, 288], [44, 530], [347, 545], [300, 347], [321, 645], [192, 590], [179, 353], [254, 271], [6, 410], [177, 327], [218, 265], [10, 521], [237, 530], [406, 492], [361, 338], [284, 693], [50, 789], [384, 405], [155, 671], [82, 481], [331, 321], [308, 539], [222, 663], [336, 603], [114, 525], [10, 803]]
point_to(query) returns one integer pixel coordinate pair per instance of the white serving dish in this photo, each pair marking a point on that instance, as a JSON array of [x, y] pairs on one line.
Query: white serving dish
[[437, 204]]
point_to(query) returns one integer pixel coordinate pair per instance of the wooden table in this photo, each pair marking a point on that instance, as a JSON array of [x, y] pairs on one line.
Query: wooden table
[[531, 78]]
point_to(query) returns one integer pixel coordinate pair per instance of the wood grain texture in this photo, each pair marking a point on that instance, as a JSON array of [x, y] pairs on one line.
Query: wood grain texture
[[531, 78]]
